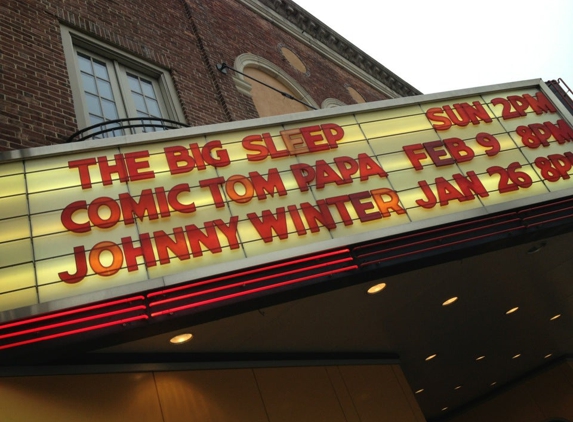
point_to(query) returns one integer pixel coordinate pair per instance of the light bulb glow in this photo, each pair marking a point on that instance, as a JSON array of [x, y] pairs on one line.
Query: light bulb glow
[[376, 288], [181, 338], [450, 301], [512, 310]]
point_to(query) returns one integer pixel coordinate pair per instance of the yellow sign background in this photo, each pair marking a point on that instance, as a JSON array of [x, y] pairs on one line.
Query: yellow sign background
[[35, 247]]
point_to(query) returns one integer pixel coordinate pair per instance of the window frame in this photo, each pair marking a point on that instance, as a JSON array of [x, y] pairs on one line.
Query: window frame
[[246, 60], [125, 86], [120, 63]]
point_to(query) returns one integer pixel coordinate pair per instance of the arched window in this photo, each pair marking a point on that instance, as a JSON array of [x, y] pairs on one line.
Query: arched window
[[267, 101]]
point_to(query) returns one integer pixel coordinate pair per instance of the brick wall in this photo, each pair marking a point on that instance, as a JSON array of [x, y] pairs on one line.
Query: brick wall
[[35, 97], [230, 29], [187, 37]]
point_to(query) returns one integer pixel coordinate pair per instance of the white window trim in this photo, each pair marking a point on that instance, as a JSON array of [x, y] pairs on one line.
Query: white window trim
[[72, 39]]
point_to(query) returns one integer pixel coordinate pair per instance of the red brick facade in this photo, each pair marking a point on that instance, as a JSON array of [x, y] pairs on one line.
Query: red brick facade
[[186, 37]]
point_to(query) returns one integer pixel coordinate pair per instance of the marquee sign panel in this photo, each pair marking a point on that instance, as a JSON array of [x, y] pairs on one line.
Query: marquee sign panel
[[80, 219]]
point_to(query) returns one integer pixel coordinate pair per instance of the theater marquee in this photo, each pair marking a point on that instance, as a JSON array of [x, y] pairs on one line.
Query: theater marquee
[[82, 218]]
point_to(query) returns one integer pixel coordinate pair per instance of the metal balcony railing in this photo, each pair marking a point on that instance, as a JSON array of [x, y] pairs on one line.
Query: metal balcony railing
[[563, 92], [121, 127]]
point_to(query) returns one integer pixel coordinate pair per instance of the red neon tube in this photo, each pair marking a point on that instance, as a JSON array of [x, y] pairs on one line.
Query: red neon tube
[[242, 283], [258, 289], [77, 331], [247, 272], [74, 321], [70, 312]]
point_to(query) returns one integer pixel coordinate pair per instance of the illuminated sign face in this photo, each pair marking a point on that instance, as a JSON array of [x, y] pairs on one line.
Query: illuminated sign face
[[191, 203]]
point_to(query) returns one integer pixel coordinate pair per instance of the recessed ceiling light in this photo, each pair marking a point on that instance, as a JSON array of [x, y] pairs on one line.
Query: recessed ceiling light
[[450, 301], [554, 317], [419, 391], [457, 387], [432, 356], [548, 355], [181, 338], [516, 356], [512, 310], [480, 357], [536, 248], [376, 288]]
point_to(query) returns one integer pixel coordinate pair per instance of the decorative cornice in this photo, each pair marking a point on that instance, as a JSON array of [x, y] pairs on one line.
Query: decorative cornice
[[308, 24]]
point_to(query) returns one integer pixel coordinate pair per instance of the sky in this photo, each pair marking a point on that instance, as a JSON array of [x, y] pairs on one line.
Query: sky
[[439, 46]]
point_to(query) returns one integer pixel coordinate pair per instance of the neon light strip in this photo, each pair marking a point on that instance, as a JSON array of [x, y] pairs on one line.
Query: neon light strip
[[77, 331], [434, 247], [427, 232], [256, 280], [70, 312], [258, 289], [74, 321], [551, 220], [257, 270], [480, 228], [551, 212], [550, 204]]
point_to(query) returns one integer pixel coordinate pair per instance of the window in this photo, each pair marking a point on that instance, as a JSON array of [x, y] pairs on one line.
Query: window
[[269, 102], [108, 85]]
